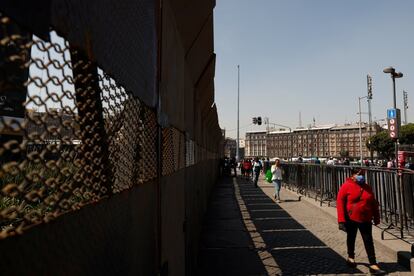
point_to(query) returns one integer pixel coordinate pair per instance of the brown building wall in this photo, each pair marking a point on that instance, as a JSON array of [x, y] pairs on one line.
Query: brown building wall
[[315, 142]]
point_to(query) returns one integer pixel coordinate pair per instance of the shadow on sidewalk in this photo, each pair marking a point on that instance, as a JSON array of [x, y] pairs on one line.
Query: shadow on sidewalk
[[295, 250], [225, 245], [246, 233]]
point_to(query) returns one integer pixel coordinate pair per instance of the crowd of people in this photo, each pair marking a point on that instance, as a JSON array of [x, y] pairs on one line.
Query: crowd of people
[[379, 163], [252, 168]]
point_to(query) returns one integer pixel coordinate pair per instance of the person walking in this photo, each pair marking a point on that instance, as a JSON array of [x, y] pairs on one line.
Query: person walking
[[330, 162], [233, 165], [277, 179], [247, 167], [266, 165], [390, 164], [257, 167], [241, 167], [357, 208]]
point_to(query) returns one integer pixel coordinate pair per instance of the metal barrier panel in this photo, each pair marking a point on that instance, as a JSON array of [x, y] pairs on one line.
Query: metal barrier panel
[[81, 122], [82, 136], [322, 182]]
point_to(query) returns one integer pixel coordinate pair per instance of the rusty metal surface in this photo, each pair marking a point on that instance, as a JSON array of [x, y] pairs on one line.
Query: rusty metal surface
[[82, 138], [105, 238]]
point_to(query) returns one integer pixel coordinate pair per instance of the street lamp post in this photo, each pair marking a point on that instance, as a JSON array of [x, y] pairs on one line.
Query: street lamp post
[[238, 104], [395, 75]]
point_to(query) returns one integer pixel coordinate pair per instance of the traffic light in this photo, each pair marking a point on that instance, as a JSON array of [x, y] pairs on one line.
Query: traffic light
[[259, 120], [254, 120]]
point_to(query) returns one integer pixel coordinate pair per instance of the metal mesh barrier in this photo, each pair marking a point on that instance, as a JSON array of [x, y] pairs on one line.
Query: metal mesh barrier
[[40, 165], [174, 147], [80, 137], [70, 134], [132, 136]]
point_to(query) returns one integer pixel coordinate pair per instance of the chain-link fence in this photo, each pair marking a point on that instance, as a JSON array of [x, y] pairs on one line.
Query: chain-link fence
[[71, 134]]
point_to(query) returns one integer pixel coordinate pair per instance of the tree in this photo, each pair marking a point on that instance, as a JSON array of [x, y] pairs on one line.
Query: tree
[[344, 153], [407, 134], [384, 145]]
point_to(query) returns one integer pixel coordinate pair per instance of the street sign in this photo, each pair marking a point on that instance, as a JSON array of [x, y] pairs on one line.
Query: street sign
[[391, 113], [394, 122]]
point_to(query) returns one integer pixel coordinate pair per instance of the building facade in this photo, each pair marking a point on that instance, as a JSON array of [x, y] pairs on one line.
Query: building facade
[[344, 140], [312, 141], [230, 147], [316, 141], [279, 144], [255, 144]]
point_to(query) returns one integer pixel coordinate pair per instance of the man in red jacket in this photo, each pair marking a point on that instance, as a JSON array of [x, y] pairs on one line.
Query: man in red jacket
[[357, 208]]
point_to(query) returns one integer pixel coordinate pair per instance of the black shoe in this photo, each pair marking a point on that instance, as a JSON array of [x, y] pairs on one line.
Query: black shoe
[[378, 271], [351, 263]]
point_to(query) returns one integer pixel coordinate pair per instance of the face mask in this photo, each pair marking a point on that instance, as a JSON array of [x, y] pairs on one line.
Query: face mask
[[360, 179]]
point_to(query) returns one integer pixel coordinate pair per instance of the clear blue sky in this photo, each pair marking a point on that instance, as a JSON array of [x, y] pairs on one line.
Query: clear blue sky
[[310, 56]]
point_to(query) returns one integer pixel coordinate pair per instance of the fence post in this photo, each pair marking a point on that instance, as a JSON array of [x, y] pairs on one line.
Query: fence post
[[96, 166], [400, 199]]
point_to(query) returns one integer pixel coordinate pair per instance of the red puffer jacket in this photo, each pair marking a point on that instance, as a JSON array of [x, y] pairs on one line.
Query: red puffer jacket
[[358, 201]]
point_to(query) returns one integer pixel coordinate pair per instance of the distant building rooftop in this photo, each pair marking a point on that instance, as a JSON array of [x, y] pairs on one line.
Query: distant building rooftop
[[350, 126], [256, 132], [279, 131], [321, 127]]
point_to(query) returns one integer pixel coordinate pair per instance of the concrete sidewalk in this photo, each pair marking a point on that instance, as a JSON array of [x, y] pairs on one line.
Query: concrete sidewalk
[[246, 233]]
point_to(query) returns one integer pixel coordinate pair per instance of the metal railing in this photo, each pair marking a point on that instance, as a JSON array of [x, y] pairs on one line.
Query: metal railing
[[322, 182]]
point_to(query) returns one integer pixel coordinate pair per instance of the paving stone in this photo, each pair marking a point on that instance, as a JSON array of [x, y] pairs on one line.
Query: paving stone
[[267, 238], [224, 261], [225, 239]]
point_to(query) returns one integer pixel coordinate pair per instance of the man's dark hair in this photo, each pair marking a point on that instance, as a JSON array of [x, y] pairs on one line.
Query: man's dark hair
[[355, 170]]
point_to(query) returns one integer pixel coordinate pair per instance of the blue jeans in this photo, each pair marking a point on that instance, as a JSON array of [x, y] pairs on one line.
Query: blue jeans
[[278, 185]]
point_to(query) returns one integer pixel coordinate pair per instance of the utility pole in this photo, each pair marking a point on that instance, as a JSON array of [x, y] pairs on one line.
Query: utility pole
[[238, 113], [360, 128], [369, 98], [405, 95]]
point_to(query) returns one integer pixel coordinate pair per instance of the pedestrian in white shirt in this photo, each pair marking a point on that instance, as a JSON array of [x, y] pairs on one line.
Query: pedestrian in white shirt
[[257, 167], [330, 162], [277, 179], [390, 164]]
